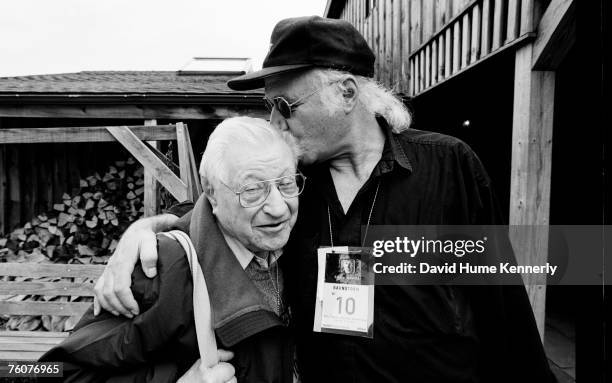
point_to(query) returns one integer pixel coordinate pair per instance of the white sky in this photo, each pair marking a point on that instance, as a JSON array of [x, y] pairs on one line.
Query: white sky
[[60, 36]]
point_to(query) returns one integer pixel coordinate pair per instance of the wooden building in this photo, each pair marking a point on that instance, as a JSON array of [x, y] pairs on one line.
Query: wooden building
[[33, 176], [502, 75]]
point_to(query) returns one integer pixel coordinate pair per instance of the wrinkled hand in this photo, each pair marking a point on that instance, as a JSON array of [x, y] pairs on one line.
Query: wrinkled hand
[[221, 372], [112, 290]]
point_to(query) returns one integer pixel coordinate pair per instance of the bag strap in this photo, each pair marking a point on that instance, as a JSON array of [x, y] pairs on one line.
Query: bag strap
[[202, 311]]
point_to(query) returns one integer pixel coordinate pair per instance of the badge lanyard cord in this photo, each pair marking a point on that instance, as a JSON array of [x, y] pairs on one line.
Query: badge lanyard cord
[[331, 237]]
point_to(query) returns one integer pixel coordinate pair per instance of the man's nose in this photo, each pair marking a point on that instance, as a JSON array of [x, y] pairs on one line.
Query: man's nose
[[275, 205], [278, 121]]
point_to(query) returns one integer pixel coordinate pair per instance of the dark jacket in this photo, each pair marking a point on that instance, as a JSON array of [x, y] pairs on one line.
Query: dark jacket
[[160, 344]]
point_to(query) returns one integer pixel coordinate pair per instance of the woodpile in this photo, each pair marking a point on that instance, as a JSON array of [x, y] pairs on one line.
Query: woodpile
[[82, 228]]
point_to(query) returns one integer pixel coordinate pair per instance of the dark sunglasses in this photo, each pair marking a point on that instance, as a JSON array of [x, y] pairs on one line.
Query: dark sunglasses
[[284, 107]]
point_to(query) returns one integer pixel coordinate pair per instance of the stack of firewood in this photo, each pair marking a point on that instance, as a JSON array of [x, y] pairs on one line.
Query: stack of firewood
[[85, 227]]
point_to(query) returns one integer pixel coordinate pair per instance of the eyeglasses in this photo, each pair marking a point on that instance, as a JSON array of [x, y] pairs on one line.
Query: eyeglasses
[[284, 107], [255, 194]]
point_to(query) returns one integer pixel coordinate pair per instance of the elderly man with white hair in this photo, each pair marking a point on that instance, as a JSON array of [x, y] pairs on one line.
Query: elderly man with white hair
[[237, 228]]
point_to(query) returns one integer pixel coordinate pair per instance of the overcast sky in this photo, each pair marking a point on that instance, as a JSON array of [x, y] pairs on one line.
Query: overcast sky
[[60, 36]]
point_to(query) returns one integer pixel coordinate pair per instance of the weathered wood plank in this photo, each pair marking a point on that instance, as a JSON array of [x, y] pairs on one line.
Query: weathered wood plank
[[184, 160], [397, 45], [405, 32], [498, 20], [422, 70], [427, 66], [161, 172], [54, 335], [44, 308], [14, 186], [556, 35], [415, 25], [456, 45], [382, 75], [412, 76], [376, 39], [513, 22], [465, 40], [427, 19], [442, 10], [165, 112], [527, 10], [80, 134], [475, 32], [151, 187], [389, 42], [531, 171], [20, 355], [441, 58], [25, 347], [485, 45], [434, 62], [37, 270], [3, 187], [196, 182], [448, 52], [46, 288]]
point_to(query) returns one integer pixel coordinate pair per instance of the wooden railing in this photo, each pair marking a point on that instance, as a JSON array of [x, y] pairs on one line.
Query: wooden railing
[[483, 28]]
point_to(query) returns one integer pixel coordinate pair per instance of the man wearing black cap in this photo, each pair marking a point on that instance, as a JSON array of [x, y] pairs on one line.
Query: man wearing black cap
[[367, 167]]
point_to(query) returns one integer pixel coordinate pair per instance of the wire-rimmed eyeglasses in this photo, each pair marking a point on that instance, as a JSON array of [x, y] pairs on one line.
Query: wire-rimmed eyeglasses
[[284, 107], [255, 194]]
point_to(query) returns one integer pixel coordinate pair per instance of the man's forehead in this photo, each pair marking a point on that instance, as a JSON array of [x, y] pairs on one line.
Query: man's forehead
[[289, 84]]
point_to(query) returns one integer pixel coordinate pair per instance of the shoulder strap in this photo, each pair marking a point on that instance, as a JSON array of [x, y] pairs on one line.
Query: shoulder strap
[[201, 303]]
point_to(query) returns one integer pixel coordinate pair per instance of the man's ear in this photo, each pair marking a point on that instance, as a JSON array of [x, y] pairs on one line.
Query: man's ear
[[209, 192], [350, 92]]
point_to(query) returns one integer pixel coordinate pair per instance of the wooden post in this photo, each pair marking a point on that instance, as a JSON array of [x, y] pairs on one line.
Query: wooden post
[[513, 25], [531, 171], [151, 187]]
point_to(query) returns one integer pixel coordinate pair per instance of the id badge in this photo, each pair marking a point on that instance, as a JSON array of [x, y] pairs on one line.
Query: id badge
[[345, 291]]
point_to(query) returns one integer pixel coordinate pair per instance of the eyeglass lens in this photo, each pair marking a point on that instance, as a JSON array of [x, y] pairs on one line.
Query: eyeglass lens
[[281, 105], [256, 193]]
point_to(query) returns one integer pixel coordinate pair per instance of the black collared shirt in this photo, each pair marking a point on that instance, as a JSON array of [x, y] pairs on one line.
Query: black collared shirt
[[421, 333]]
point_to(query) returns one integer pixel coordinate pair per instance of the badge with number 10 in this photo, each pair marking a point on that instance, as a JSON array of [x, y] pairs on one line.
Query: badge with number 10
[[345, 291]]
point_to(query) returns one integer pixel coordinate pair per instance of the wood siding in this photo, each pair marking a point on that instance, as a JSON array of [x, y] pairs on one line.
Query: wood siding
[[421, 43]]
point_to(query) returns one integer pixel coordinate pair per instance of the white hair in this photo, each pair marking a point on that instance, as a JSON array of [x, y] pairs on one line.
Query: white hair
[[376, 99], [238, 132]]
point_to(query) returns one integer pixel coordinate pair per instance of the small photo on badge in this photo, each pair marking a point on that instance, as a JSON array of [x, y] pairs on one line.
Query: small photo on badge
[[343, 268]]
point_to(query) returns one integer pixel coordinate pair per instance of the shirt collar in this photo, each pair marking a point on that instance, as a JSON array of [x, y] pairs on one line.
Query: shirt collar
[[245, 256], [392, 151]]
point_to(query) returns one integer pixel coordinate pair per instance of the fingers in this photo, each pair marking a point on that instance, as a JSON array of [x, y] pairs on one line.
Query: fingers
[[222, 372], [112, 289], [224, 355], [148, 252]]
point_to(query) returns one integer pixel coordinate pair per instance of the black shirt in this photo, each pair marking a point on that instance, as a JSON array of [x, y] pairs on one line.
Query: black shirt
[[421, 333]]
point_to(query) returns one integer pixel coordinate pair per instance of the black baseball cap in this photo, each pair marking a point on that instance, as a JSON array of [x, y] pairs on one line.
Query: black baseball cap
[[312, 41]]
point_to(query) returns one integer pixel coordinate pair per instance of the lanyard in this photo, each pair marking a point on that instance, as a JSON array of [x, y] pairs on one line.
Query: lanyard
[[331, 237]]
